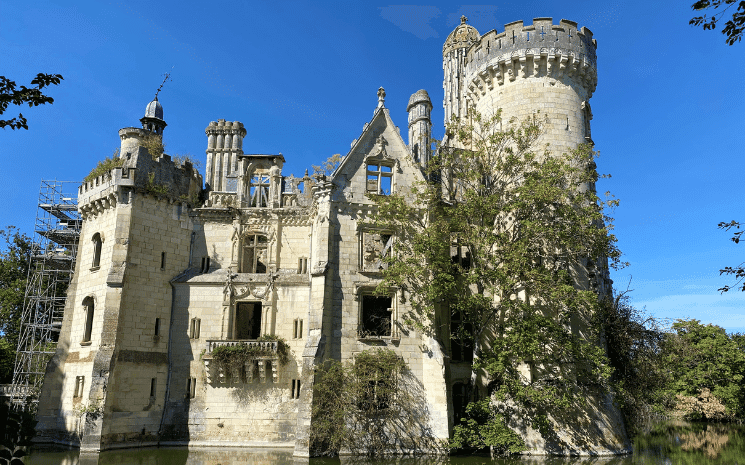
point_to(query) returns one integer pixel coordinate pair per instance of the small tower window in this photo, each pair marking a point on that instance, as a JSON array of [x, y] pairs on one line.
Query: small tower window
[[97, 244], [88, 306]]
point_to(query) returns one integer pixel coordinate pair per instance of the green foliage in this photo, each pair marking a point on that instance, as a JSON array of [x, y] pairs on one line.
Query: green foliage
[[640, 377], [9, 95], [738, 271], [105, 166], [182, 160], [16, 432], [705, 357], [154, 188], [234, 356], [329, 166], [15, 254], [734, 26], [154, 145], [527, 220], [365, 406], [483, 427]]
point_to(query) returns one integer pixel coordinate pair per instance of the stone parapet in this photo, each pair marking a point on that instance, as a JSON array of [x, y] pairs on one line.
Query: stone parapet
[[104, 191]]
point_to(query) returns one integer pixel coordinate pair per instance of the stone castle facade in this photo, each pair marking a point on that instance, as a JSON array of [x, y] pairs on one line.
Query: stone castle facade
[[160, 283]]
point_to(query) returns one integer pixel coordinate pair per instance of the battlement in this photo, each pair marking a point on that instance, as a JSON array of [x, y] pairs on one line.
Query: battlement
[[561, 52]]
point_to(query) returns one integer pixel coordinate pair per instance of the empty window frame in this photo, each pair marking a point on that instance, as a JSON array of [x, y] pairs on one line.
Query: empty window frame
[[79, 385], [254, 253], [88, 306], [379, 179], [375, 248], [376, 315], [295, 393], [302, 265], [205, 268], [191, 388], [194, 328], [297, 328], [247, 320], [97, 245], [259, 191]]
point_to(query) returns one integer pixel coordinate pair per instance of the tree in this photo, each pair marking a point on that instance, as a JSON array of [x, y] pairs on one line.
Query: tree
[[15, 251], [733, 28], [500, 235], [31, 96], [641, 378], [328, 166], [704, 357], [738, 271]]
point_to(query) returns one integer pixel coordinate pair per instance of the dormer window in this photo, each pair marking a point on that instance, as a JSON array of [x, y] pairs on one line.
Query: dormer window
[[379, 178]]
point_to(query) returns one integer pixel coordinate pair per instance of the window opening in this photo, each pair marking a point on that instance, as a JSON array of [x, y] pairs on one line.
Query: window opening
[[295, 393], [205, 264], [152, 387], [259, 191], [298, 328], [379, 179], [162, 260], [247, 320], [195, 328], [254, 254], [79, 384], [157, 326], [191, 388], [376, 316], [461, 394], [97, 244], [88, 305], [302, 265], [376, 247]]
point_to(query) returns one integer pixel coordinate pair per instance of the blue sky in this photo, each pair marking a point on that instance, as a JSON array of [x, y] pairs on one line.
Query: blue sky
[[303, 78]]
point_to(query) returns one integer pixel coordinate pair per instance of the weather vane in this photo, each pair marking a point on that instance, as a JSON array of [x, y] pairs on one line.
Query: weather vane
[[165, 79]]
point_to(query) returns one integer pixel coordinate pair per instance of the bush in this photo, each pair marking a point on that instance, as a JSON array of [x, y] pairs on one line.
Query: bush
[[104, 166]]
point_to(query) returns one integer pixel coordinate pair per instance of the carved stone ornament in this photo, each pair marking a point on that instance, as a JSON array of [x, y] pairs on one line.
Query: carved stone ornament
[[378, 150]]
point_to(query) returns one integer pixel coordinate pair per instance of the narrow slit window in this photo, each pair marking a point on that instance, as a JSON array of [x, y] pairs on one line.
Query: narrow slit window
[[79, 385], [205, 264], [153, 385], [89, 311], [97, 245], [191, 388], [162, 260], [157, 326], [195, 328]]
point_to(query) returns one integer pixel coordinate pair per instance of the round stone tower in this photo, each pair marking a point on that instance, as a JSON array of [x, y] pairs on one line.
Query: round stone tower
[[524, 69], [420, 125]]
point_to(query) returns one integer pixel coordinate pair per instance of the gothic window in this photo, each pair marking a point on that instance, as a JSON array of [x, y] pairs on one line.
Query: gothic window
[[97, 243], [379, 179], [254, 254], [375, 249], [88, 306], [376, 315], [259, 191], [247, 321]]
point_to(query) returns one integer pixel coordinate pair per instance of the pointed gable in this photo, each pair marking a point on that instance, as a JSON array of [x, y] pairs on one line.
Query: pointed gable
[[378, 162]]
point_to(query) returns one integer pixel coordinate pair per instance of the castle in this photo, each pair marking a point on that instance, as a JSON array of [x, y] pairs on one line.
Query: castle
[[161, 283]]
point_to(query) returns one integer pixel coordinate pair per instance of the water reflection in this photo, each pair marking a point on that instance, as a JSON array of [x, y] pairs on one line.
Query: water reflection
[[667, 444]]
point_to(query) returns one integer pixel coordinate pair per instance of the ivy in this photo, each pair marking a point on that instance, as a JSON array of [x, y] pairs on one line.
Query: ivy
[[234, 356]]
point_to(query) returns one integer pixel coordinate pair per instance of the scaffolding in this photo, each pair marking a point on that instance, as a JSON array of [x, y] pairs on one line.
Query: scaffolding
[[55, 245]]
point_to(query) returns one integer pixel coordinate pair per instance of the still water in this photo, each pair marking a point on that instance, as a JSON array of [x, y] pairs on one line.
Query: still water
[[669, 444]]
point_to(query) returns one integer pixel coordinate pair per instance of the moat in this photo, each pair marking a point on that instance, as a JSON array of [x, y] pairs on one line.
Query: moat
[[669, 444]]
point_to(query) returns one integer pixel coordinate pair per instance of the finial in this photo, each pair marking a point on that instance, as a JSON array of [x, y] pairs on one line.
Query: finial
[[166, 78], [463, 19], [381, 98]]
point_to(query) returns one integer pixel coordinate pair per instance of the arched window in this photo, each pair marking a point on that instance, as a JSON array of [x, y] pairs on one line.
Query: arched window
[[97, 243], [254, 254], [89, 309]]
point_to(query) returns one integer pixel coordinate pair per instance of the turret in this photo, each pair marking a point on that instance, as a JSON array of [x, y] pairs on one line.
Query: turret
[[454, 58], [224, 145], [153, 119], [420, 126]]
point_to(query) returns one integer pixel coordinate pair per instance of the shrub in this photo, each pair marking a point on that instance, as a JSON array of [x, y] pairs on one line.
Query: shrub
[[104, 166]]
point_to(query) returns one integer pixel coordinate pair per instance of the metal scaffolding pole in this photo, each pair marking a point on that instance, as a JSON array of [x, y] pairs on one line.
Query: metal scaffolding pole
[[55, 245]]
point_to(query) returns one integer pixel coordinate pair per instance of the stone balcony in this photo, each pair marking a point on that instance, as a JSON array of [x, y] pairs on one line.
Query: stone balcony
[[247, 371]]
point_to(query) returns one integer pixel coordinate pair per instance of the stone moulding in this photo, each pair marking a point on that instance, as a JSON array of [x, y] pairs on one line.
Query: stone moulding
[[267, 353]]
